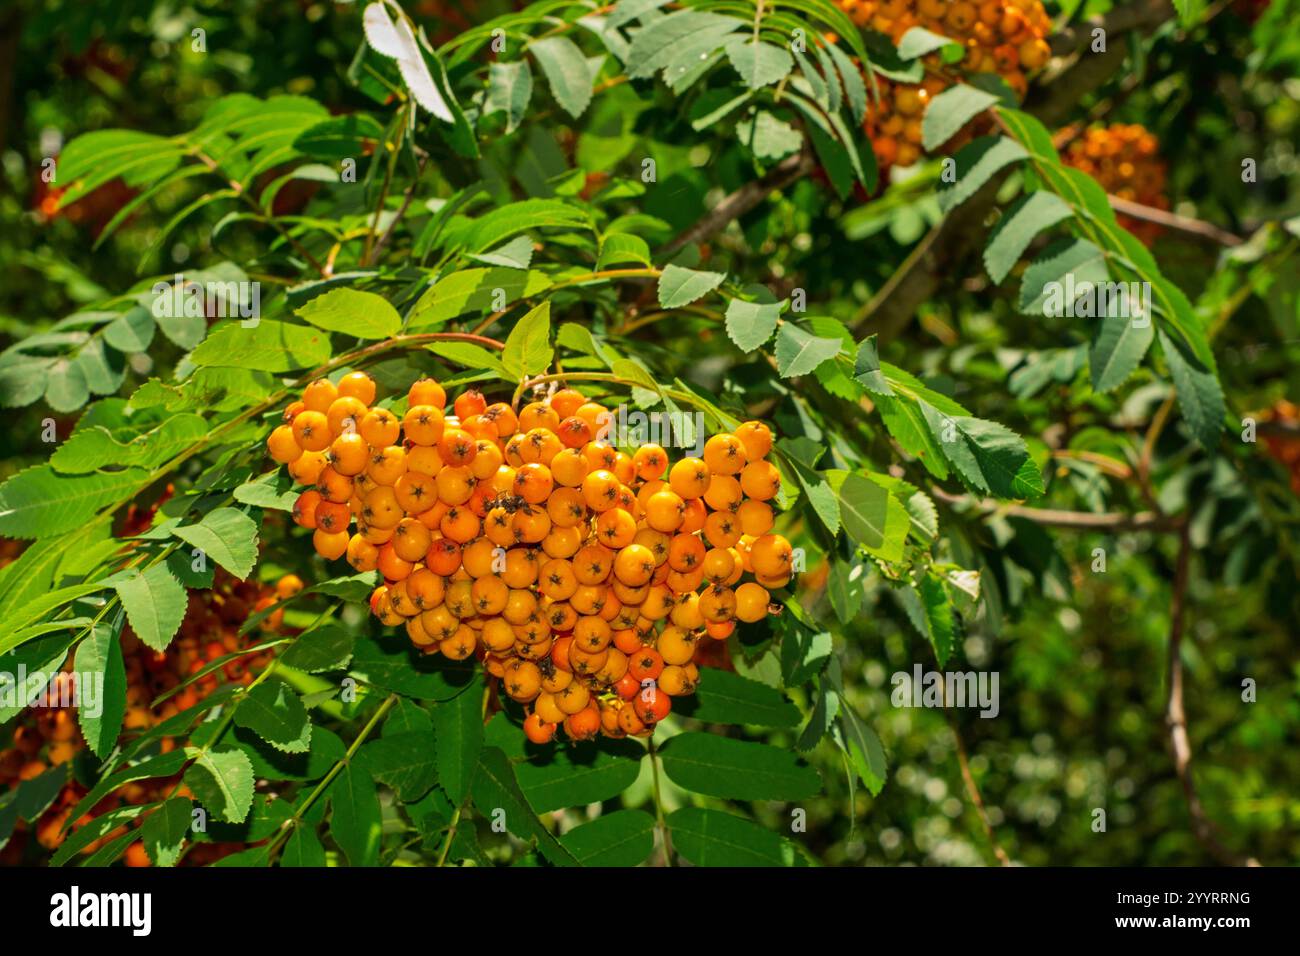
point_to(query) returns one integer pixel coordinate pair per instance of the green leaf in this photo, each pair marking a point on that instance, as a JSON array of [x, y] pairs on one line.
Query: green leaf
[[458, 730], [24, 381], [99, 656], [32, 797], [469, 355], [356, 819], [515, 254], [473, 290], [950, 111], [724, 697], [866, 369], [227, 536], [714, 838], [339, 137], [933, 614], [66, 388], [93, 447], [37, 503], [272, 491], [155, 604], [132, 331], [268, 346], [865, 753], [277, 715], [272, 764], [391, 664], [560, 778], [621, 838], [804, 652], [770, 138], [1117, 349], [360, 314], [566, 71], [1065, 264], [751, 324], [736, 769], [222, 781], [658, 45], [407, 762], [918, 41], [1190, 11], [975, 164], [1199, 394], [844, 587], [1023, 220], [799, 352], [495, 789], [323, 648], [164, 831], [510, 87], [620, 247], [855, 90], [873, 518], [989, 457], [528, 348], [679, 287], [303, 849], [154, 768], [759, 64], [98, 828]]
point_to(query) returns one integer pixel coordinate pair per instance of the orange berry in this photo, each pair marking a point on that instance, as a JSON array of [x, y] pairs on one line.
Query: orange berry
[[311, 430], [358, 385], [760, 480], [756, 438], [319, 395], [283, 446], [567, 401], [423, 424], [349, 455], [426, 392], [330, 545], [379, 427]]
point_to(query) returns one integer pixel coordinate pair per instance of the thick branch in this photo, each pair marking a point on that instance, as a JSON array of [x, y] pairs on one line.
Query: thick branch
[[789, 170], [1176, 716]]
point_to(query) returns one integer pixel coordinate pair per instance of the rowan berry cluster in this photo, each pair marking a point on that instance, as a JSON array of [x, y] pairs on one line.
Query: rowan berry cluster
[[50, 736], [1006, 38], [582, 576], [1284, 444], [1124, 158]]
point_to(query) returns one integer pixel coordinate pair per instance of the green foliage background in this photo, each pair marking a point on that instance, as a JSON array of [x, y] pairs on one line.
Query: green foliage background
[[1082, 655]]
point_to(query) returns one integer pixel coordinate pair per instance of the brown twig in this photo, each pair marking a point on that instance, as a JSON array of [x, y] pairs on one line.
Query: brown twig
[[973, 791], [788, 171], [1079, 520], [1193, 227], [1176, 715], [401, 211]]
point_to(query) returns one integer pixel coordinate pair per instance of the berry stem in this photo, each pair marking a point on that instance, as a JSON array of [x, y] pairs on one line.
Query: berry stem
[[667, 843]]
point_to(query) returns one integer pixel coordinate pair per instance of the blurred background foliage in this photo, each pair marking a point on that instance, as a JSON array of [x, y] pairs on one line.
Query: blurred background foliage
[[1081, 654]]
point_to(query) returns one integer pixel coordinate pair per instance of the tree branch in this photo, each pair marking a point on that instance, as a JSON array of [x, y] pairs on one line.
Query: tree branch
[[1176, 716], [789, 170], [1193, 227], [1078, 520]]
